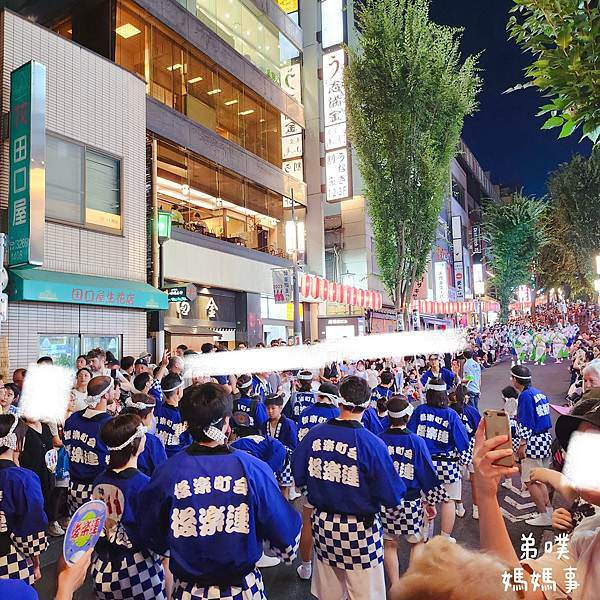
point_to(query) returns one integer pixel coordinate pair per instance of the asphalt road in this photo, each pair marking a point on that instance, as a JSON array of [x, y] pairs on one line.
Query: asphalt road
[[282, 583]]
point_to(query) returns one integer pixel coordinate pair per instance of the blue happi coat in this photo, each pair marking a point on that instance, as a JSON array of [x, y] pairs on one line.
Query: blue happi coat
[[88, 455], [121, 494], [319, 412], [441, 428], [285, 431], [267, 449], [23, 521], [211, 509], [254, 408], [534, 423], [371, 421], [412, 462], [380, 392], [261, 388], [170, 429], [153, 455], [346, 469], [300, 402]]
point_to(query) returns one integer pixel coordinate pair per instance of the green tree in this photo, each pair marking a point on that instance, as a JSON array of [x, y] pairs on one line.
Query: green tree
[[408, 94], [564, 38], [514, 229], [573, 225], [560, 264]]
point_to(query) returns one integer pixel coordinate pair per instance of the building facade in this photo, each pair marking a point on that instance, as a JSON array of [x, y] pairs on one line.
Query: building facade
[[90, 289]]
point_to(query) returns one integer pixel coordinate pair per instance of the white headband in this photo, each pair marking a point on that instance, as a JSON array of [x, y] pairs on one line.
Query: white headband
[[10, 439], [364, 404], [403, 413], [139, 432], [441, 387], [335, 399], [244, 385], [92, 401], [138, 405], [520, 376], [180, 384], [215, 434], [306, 377]]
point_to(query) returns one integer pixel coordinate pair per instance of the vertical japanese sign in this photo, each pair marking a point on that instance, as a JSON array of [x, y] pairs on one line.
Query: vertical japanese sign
[[292, 147], [457, 242], [27, 184], [337, 169]]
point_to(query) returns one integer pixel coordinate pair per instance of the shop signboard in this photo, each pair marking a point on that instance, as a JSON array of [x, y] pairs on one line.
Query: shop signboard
[[27, 170], [282, 285]]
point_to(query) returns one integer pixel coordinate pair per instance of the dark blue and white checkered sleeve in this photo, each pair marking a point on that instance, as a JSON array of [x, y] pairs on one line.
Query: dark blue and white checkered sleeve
[[31, 545], [288, 554], [437, 495]]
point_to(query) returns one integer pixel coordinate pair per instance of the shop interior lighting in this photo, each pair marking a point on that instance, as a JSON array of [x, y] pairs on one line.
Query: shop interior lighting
[[215, 91], [126, 31]]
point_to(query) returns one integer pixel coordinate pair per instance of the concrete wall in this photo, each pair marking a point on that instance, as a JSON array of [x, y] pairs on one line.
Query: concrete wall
[[93, 101]]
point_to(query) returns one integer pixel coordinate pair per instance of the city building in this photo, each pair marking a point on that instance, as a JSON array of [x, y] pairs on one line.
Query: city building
[[72, 178], [446, 296]]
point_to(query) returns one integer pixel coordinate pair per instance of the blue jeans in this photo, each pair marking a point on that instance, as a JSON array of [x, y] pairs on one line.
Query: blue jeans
[[474, 399]]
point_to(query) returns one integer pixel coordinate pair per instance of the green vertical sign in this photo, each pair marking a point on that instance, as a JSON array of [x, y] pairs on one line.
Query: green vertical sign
[[27, 193]]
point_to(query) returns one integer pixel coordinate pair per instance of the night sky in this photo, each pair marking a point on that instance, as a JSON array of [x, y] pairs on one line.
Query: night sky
[[505, 134]]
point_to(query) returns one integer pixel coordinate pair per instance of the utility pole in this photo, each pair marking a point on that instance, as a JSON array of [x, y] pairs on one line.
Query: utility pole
[[295, 282]]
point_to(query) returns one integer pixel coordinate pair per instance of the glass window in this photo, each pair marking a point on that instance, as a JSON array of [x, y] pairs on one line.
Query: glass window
[[64, 180], [62, 349], [130, 42], [106, 342], [102, 190], [90, 195]]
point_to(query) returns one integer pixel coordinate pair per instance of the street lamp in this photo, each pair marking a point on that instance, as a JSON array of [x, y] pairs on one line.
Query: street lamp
[[163, 226], [295, 246], [479, 289]]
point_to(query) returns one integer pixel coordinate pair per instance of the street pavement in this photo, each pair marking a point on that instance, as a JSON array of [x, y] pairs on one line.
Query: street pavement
[[282, 582]]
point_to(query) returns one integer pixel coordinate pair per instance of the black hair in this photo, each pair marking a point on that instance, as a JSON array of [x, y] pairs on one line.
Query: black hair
[[458, 398], [244, 379], [116, 432], [397, 403], [355, 390], [170, 381], [202, 405], [6, 422], [182, 347], [207, 348], [86, 369], [467, 354], [522, 375], [435, 398], [141, 381], [127, 362], [305, 384], [141, 412], [81, 356], [509, 392], [189, 352], [386, 377], [97, 384], [45, 360]]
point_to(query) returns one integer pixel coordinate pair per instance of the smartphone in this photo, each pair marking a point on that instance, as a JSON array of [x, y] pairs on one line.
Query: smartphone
[[497, 423]]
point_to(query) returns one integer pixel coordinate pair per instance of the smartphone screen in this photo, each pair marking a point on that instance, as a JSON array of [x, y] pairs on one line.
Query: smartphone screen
[[497, 423]]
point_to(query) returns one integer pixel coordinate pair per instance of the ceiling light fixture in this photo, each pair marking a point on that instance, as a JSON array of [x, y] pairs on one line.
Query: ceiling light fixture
[[194, 79], [126, 31], [246, 112], [175, 66], [230, 102], [215, 91]]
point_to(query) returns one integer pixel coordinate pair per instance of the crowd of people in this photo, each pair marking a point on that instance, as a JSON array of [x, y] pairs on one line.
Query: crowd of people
[[209, 480]]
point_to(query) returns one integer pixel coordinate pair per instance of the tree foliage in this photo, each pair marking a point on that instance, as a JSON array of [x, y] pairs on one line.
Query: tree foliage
[[514, 229], [408, 94], [560, 264], [564, 38], [573, 225]]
